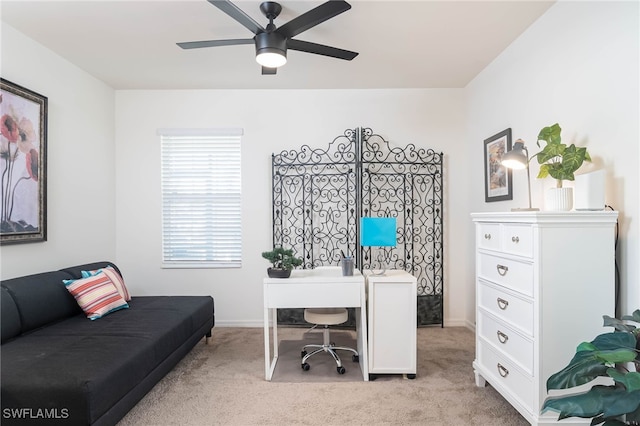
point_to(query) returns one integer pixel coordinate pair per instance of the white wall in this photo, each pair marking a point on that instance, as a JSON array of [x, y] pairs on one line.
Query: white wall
[[578, 65], [272, 121], [80, 159]]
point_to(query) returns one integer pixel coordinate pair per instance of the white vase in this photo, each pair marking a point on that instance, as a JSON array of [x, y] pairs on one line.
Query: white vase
[[559, 199]]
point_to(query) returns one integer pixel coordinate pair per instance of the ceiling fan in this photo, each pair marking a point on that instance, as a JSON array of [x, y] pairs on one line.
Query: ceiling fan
[[272, 42]]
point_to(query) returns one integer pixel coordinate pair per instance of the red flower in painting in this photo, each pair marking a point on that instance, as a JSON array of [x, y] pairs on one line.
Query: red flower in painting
[[10, 128], [32, 164]]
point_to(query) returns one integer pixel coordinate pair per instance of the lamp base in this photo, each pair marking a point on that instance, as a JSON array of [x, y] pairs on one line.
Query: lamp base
[[525, 209]]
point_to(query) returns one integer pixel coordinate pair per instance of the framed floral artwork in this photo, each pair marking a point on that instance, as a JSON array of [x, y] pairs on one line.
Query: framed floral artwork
[[23, 147], [497, 178]]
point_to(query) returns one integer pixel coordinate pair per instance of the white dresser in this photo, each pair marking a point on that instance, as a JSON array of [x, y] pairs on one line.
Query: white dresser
[[543, 282]]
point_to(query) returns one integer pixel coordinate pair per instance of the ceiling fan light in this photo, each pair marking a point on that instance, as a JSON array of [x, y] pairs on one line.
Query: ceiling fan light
[[271, 58], [271, 49]]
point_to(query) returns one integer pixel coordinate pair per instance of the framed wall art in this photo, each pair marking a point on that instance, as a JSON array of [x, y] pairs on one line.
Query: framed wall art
[[23, 148], [497, 178]]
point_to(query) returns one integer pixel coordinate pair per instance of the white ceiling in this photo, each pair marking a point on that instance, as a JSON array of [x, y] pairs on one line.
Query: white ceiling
[[402, 44]]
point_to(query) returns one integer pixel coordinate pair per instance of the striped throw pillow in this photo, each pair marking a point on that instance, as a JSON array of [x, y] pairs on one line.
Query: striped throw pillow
[[115, 277], [96, 295]]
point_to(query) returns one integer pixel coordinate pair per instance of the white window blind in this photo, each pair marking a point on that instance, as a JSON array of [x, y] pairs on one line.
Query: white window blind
[[201, 199]]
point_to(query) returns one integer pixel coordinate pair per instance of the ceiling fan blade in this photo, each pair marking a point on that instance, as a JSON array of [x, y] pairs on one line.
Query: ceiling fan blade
[[236, 13], [269, 71], [321, 49], [313, 17], [215, 43]]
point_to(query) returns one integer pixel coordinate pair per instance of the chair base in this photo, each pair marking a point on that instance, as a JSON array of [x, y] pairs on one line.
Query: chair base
[[328, 347]]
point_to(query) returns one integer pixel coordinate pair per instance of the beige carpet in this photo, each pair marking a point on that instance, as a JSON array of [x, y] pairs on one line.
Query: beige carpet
[[223, 384]]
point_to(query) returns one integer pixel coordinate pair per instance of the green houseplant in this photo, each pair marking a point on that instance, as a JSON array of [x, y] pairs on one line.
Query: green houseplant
[[557, 159], [608, 355], [282, 262], [560, 162]]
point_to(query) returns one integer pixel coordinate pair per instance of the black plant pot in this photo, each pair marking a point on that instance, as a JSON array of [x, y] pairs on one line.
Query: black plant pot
[[278, 273]]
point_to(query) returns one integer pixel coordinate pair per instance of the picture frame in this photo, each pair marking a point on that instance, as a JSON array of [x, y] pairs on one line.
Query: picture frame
[[23, 164], [498, 185]]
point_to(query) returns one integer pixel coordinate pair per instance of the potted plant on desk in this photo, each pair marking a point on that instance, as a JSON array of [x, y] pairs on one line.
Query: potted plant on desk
[[282, 261]]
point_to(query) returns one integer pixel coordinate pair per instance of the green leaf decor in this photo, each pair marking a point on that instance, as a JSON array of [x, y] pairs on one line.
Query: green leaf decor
[[608, 355], [282, 258], [557, 159]]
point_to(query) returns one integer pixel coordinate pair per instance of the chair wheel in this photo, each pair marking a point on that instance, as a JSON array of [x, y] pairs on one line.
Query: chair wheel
[[355, 358], [341, 370], [411, 376], [306, 366], [302, 354]]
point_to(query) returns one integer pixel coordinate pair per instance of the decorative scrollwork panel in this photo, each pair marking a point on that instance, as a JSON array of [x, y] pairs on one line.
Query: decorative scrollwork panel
[[320, 195]]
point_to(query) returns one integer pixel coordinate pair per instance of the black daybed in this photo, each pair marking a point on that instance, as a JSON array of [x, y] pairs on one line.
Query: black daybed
[[59, 367]]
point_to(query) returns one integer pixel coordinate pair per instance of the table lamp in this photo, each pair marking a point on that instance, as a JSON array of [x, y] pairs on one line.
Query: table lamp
[[378, 232], [518, 158]]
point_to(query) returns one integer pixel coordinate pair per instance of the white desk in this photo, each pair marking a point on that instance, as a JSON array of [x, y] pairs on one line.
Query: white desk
[[323, 287]]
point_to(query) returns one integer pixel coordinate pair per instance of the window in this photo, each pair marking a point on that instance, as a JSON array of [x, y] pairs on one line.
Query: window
[[201, 198]]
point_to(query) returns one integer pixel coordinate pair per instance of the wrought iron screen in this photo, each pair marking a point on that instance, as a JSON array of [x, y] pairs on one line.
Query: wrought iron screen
[[319, 196]]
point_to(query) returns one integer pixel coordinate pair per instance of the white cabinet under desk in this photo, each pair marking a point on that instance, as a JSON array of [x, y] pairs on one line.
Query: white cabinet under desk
[[543, 282], [392, 326]]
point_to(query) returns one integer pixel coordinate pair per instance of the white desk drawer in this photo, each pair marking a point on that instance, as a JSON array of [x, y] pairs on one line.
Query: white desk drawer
[[313, 295], [502, 372], [512, 274], [516, 311], [489, 236], [507, 340], [518, 239]]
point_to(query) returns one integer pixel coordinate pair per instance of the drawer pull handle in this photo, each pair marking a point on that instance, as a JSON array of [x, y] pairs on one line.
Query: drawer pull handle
[[502, 270], [502, 337], [487, 236], [515, 239], [502, 370], [502, 304]]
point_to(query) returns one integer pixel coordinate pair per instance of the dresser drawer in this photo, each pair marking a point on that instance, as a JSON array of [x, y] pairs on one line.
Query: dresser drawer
[[515, 311], [512, 274], [500, 371], [518, 239], [488, 236], [518, 348]]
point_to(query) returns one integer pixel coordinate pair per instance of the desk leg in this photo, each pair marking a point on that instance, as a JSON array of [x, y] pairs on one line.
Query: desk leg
[[274, 320], [267, 346], [361, 327], [270, 363]]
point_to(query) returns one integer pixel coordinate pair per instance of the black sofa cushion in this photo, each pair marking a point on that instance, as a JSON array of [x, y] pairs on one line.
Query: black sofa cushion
[[86, 366], [10, 322], [41, 299]]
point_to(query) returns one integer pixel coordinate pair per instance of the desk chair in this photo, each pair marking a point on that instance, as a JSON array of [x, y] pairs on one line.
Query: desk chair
[[326, 317]]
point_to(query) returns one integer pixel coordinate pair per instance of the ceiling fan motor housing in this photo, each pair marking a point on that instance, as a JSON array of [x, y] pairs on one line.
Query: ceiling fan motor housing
[[272, 42]]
